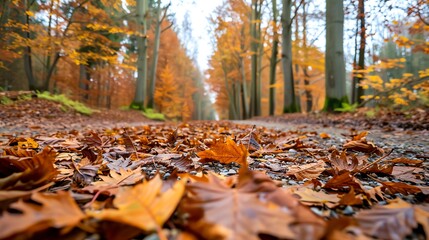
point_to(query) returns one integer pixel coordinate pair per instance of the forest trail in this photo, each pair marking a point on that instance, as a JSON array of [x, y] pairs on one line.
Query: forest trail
[[303, 163]]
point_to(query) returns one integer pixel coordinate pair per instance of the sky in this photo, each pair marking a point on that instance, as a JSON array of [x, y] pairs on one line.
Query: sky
[[199, 12]]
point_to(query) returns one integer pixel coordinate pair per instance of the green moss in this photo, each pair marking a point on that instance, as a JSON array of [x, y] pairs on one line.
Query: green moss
[[151, 114], [66, 102], [334, 103], [5, 100], [137, 106]]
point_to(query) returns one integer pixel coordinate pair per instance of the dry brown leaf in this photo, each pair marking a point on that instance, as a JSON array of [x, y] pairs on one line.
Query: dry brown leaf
[[324, 135], [344, 182], [407, 161], [399, 187], [218, 211], [341, 162], [47, 210], [124, 177], [410, 174], [144, 205], [422, 217], [225, 152], [309, 171], [351, 198], [28, 173], [362, 145], [315, 197], [393, 221]]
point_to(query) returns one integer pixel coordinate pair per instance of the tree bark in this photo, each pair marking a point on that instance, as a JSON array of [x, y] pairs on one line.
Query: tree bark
[[140, 93], [255, 92], [334, 58], [273, 61], [289, 102]]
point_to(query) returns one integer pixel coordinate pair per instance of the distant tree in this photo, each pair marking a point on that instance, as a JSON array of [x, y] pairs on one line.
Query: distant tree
[[273, 59], [255, 48], [334, 58]]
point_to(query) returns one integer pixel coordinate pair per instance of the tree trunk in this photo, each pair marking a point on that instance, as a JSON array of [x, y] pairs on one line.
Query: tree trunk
[[245, 90], [273, 61], [289, 103], [308, 94], [255, 91], [361, 61], [152, 74], [334, 58], [140, 93]]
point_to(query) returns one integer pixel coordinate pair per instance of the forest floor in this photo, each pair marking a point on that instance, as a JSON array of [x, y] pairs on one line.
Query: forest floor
[[371, 174]]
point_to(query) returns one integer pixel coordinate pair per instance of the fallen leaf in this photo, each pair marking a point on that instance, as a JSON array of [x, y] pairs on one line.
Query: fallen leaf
[[407, 161], [399, 187], [324, 135], [315, 197], [344, 182], [225, 152], [393, 221], [309, 171], [47, 210], [341, 162], [410, 174], [28, 173], [422, 217], [28, 143], [219, 211], [364, 146], [124, 177], [143, 206], [351, 198]]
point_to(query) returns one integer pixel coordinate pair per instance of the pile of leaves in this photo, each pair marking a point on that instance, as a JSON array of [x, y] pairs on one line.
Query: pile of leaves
[[207, 180]]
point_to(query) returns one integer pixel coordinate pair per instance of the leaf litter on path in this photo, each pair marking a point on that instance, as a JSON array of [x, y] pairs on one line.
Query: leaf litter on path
[[211, 180]]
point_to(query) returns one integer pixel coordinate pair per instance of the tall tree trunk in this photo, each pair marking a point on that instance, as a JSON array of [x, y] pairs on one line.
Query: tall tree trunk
[[255, 91], [308, 95], [289, 103], [241, 65], [152, 81], [362, 45], [140, 93], [273, 61], [334, 58]]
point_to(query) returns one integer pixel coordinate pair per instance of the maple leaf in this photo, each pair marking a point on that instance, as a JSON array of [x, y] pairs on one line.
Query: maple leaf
[[393, 221], [47, 210], [28, 173], [225, 152], [309, 171], [219, 211], [144, 205], [342, 162], [411, 174], [124, 177]]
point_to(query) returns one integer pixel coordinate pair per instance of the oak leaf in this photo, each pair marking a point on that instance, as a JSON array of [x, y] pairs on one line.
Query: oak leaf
[[393, 221], [45, 211], [144, 205], [218, 211], [309, 171], [225, 152]]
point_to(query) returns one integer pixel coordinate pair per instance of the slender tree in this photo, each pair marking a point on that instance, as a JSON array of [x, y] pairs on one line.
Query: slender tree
[[255, 33], [141, 19], [357, 90], [290, 104], [273, 60], [334, 58]]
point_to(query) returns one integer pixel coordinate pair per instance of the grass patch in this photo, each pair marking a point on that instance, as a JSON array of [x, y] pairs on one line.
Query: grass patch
[[151, 114], [5, 100], [66, 102]]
